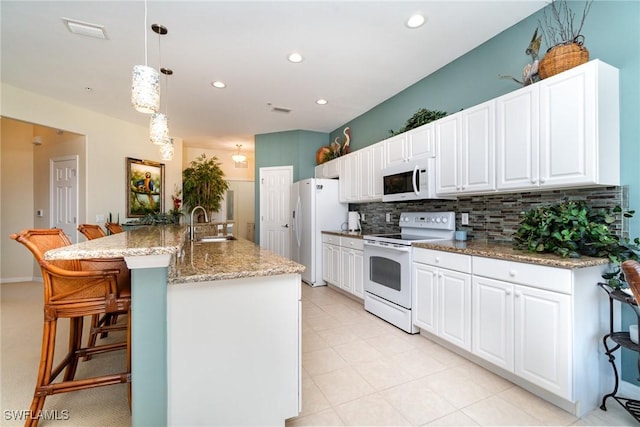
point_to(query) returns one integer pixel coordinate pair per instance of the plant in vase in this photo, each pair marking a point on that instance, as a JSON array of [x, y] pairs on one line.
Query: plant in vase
[[177, 203], [563, 37]]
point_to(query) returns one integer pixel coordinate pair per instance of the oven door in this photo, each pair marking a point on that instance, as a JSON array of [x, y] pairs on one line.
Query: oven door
[[388, 272]]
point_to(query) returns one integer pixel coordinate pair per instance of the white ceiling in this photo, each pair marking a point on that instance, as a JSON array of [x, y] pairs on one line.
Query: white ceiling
[[357, 54]]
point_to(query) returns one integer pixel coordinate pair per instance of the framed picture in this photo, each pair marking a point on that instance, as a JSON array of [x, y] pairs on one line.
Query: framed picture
[[145, 187]]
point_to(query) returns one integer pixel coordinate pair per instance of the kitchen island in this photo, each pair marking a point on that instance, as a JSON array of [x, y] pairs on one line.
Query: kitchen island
[[215, 327]]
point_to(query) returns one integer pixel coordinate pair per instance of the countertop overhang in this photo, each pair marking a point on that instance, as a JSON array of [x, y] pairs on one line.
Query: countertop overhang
[[191, 261]]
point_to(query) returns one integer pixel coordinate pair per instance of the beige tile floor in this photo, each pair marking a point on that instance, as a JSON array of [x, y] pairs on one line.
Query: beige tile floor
[[359, 370]]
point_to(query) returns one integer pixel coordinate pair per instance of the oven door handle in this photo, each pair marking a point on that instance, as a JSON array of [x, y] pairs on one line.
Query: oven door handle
[[388, 247]]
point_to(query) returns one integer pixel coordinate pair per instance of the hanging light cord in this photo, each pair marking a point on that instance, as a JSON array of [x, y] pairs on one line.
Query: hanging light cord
[[145, 32]]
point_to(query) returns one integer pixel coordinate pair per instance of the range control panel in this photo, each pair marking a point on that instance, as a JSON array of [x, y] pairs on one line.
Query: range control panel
[[434, 220]]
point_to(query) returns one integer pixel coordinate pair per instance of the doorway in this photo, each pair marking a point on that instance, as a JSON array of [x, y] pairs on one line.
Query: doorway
[[63, 198]]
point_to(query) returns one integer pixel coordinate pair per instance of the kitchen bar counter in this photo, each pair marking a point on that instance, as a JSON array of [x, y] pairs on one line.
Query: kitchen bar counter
[[200, 313], [505, 251]]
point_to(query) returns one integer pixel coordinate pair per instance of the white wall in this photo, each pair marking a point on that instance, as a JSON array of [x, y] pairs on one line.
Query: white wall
[[108, 142], [16, 197]]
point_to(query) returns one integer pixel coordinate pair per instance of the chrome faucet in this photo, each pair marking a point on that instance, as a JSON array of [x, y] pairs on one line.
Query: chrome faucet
[[191, 227]]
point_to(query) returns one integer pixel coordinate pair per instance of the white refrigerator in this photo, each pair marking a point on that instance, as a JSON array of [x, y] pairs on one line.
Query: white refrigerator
[[316, 207]]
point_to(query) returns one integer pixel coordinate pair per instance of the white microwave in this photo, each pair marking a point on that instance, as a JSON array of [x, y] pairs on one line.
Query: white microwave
[[414, 180]]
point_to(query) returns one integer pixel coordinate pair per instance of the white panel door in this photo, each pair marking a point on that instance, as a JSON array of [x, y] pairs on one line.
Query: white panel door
[[275, 209], [425, 297], [64, 195], [455, 307]]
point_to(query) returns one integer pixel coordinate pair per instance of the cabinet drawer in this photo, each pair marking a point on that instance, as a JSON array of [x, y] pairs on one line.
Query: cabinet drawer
[[352, 243], [538, 276], [443, 259], [330, 238]]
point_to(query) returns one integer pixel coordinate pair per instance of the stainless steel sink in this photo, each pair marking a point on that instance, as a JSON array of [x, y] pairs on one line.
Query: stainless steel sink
[[213, 239]]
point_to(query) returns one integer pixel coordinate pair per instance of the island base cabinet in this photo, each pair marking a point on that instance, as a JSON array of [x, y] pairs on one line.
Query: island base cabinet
[[234, 351]]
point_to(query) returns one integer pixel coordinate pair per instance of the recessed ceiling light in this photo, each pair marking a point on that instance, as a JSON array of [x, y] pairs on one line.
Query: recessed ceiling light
[[218, 84], [295, 57], [322, 102], [415, 21], [85, 28]]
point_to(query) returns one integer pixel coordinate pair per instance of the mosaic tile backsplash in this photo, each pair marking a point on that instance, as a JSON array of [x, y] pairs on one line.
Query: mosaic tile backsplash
[[492, 218]]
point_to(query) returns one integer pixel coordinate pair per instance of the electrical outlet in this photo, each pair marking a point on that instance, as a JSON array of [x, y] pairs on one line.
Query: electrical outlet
[[361, 217], [464, 219], [100, 218], [388, 216]]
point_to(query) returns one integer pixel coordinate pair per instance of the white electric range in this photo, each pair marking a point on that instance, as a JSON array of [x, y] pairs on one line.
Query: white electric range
[[387, 263]]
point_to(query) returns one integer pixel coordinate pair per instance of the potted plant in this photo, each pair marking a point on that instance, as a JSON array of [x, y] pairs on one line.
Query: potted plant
[[420, 117], [572, 229], [203, 184], [563, 38]]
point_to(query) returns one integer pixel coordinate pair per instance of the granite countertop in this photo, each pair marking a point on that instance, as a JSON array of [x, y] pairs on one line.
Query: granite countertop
[[354, 234], [192, 261], [505, 251]]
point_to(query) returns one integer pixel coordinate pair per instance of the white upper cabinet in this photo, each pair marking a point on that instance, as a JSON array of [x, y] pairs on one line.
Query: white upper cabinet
[[517, 129], [465, 151], [330, 169], [580, 127], [561, 132], [411, 145], [361, 174]]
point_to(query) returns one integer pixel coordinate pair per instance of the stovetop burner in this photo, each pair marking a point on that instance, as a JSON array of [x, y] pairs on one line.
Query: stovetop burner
[[420, 226]]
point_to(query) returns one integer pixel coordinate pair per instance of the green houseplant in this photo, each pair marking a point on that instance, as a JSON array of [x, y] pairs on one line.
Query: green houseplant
[[420, 117], [572, 229], [203, 184]]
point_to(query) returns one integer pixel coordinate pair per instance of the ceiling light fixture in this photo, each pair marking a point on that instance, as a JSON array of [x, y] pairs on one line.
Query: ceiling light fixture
[[239, 158], [322, 101], [295, 58], [166, 150], [218, 84], [159, 123], [85, 28], [415, 21], [145, 81]]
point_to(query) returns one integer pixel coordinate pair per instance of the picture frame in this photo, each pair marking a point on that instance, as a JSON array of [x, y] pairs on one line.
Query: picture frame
[[145, 187]]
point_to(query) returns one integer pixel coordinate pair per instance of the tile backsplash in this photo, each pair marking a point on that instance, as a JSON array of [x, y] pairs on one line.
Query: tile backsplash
[[491, 217]]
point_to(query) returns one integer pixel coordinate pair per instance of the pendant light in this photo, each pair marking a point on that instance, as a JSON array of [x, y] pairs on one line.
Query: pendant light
[[166, 150], [239, 158], [158, 124], [145, 81]]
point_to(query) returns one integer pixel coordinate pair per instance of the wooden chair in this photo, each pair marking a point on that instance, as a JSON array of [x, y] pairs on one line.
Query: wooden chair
[[91, 231], [114, 227], [71, 292], [631, 270]]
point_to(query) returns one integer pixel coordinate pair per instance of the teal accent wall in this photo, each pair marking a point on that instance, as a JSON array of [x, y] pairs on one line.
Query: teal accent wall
[[612, 35], [295, 148]]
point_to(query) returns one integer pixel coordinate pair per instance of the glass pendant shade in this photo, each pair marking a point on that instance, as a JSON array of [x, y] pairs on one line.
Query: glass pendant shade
[[145, 89], [239, 158], [166, 150], [159, 129]]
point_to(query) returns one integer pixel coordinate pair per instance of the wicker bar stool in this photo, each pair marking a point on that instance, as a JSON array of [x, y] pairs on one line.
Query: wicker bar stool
[[113, 227], [70, 292]]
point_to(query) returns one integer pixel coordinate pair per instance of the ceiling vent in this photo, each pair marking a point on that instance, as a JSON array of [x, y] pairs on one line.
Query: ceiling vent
[[280, 110], [85, 28]]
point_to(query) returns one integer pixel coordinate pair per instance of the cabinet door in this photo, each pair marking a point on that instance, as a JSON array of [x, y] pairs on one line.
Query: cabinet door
[[492, 320], [396, 149], [543, 339], [377, 160], [326, 262], [349, 177], [517, 130], [425, 297], [421, 142], [567, 121], [365, 163], [448, 158], [346, 268], [455, 308], [358, 273], [477, 146]]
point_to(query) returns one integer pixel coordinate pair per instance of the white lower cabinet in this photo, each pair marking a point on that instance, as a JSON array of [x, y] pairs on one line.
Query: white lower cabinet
[[442, 295], [524, 330], [343, 263]]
